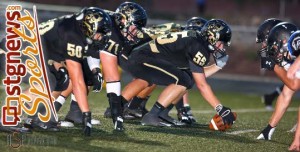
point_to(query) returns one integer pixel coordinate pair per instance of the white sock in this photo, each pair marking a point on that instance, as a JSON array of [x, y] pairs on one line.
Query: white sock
[[61, 99], [113, 87]]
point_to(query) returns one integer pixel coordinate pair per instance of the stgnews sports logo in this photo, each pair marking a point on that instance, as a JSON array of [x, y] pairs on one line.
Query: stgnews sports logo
[[23, 42]]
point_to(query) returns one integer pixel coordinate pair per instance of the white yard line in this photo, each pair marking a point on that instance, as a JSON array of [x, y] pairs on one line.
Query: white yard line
[[241, 132]]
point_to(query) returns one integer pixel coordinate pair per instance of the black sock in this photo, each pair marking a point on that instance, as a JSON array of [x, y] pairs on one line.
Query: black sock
[[74, 106], [144, 102], [277, 91], [57, 106], [58, 102], [167, 110], [179, 104], [157, 109], [135, 102], [124, 102]]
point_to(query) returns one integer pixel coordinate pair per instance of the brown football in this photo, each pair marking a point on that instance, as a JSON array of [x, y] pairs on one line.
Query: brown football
[[216, 123]]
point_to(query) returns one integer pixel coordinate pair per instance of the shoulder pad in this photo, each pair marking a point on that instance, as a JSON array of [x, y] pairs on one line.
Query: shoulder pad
[[153, 33]]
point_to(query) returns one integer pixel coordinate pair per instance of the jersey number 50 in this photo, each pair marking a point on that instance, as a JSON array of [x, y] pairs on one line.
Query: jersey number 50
[[74, 50]]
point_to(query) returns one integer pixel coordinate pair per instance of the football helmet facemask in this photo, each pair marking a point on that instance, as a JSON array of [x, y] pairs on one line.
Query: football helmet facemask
[[277, 40], [136, 18], [263, 32], [216, 30]]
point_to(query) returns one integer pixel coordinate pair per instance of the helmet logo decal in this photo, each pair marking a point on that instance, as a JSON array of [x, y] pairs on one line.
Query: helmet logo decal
[[92, 19], [129, 10], [296, 43]]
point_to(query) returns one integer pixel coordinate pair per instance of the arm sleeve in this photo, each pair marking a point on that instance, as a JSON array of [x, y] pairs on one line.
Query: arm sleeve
[[196, 69]]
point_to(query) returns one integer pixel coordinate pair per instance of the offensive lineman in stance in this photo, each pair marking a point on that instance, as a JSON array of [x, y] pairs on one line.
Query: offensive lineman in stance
[[174, 60]]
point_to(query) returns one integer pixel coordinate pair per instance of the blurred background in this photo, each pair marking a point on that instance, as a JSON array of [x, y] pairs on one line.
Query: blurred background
[[244, 17]]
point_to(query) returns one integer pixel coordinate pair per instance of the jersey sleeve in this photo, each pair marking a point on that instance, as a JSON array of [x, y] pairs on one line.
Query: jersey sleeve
[[152, 33], [195, 69], [167, 27], [197, 54]]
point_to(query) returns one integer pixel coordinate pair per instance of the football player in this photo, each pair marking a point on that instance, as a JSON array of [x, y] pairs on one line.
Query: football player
[[175, 60], [129, 18], [276, 58], [67, 39], [195, 23], [261, 37], [294, 48], [136, 106]]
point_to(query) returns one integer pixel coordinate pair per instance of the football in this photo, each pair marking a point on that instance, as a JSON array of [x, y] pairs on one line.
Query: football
[[216, 123]]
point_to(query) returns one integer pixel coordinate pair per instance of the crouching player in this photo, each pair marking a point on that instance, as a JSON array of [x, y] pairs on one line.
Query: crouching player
[[175, 60]]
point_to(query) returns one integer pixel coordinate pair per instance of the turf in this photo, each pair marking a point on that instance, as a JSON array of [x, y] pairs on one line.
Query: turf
[[194, 138]]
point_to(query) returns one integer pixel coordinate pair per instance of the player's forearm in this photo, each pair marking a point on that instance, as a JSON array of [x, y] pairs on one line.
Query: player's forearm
[[80, 92], [293, 84], [208, 95], [210, 70], [283, 101]]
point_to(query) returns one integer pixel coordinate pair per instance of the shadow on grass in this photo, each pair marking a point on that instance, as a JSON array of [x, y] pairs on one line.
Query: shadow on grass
[[98, 135]]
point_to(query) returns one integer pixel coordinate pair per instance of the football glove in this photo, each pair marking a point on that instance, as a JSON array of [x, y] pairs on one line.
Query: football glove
[[267, 63], [97, 80], [62, 79], [226, 114], [221, 61]]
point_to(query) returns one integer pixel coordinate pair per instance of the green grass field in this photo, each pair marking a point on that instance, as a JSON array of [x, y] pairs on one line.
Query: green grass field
[[241, 137]]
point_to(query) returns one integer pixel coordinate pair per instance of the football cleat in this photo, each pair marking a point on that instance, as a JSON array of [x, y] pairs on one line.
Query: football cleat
[[69, 124], [183, 116], [135, 112], [36, 124], [66, 124], [171, 120], [75, 116], [126, 115], [14, 129], [190, 114], [152, 120]]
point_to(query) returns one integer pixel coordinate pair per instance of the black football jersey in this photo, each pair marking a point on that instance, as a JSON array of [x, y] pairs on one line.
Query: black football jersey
[[178, 48], [63, 39]]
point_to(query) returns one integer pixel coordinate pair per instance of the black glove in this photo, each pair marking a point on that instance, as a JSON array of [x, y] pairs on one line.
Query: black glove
[[62, 79], [87, 125], [226, 114], [267, 63], [97, 80]]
